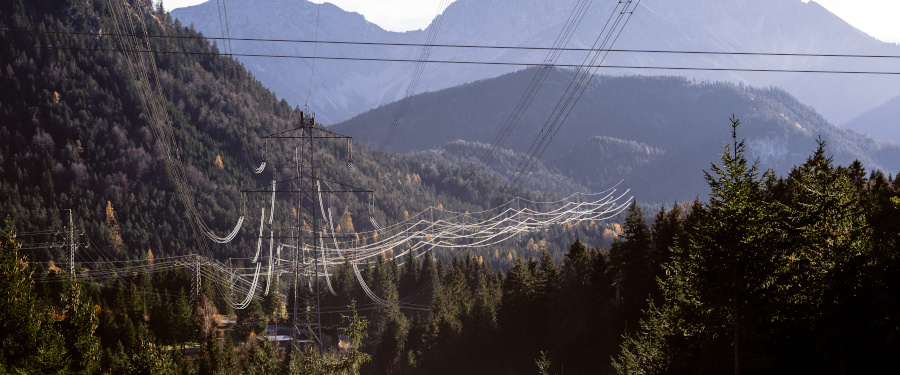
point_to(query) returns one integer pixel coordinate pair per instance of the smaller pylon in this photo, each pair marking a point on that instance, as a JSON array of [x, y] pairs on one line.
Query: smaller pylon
[[195, 287], [71, 245]]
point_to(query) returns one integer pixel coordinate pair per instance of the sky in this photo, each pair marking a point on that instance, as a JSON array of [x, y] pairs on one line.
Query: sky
[[878, 18]]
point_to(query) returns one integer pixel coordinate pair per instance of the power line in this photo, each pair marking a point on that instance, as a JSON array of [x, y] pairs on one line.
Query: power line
[[312, 70], [562, 40], [414, 82], [507, 63], [475, 46], [585, 74]]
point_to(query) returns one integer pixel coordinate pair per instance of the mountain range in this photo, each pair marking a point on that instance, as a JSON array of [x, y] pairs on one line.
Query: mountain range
[[656, 134], [341, 89]]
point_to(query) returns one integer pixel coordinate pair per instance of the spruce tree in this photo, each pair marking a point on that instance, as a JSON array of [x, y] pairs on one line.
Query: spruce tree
[[149, 357], [547, 276], [259, 359], [716, 306], [18, 324], [827, 268], [28, 341], [250, 321], [409, 277], [183, 318], [78, 329], [633, 258]]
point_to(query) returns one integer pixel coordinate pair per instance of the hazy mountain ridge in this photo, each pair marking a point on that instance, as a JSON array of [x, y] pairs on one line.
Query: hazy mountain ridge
[[336, 84], [882, 122], [655, 133], [344, 88]]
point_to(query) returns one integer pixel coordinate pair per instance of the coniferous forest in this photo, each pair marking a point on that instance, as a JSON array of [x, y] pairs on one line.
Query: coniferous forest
[[794, 273]]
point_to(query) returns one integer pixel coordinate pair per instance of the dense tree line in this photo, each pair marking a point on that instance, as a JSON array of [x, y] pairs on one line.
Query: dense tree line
[[52, 323], [795, 273], [772, 274]]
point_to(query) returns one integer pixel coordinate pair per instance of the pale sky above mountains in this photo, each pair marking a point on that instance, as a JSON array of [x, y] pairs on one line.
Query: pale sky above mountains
[[878, 18]]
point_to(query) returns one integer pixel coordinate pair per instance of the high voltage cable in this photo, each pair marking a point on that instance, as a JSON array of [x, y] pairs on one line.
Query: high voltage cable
[[151, 97], [474, 46], [562, 40], [449, 228], [495, 226], [312, 69], [414, 82], [463, 230], [585, 74], [225, 29], [141, 67], [640, 67]]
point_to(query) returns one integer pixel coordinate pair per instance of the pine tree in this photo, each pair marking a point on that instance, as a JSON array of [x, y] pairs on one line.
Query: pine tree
[[576, 269], [162, 321], [384, 287], [345, 283], [271, 301], [388, 322], [429, 277], [18, 326], [733, 258], [212, 358]]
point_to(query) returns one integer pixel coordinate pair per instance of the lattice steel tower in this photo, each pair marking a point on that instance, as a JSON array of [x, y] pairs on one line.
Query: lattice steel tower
[[305, 189]]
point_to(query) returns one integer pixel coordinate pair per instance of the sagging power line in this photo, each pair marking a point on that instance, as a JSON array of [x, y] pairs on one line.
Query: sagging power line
[[477, 46], [463, 62]]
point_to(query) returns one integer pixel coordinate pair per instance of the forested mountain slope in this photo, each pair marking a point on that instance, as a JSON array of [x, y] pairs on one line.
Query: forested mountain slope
[[76, 134], [654, 133]]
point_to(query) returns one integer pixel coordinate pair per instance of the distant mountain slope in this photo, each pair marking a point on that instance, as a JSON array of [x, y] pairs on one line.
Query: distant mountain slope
[[656, 133], [342, 89], [339, 88], [883, 122], [463, 153]]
